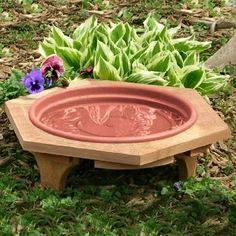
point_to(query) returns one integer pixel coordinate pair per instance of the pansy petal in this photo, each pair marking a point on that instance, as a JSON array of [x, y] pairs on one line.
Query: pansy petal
[[40, 89], [54, 62], [36, 75], [26, 81], [45, 68], [36, 88], [58, 67]]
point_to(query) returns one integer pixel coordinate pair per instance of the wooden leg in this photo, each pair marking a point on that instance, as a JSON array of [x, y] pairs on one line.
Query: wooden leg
[[187, 165], [54, 169]]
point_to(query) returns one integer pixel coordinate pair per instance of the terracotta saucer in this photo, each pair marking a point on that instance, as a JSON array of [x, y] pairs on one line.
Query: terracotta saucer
[[113, 114]]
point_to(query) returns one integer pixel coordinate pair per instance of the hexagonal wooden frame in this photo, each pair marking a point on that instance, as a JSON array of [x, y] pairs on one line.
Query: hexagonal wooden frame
[[56, 155]]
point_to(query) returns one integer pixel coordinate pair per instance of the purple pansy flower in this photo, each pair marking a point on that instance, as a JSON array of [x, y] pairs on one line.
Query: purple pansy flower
[[34, 81], [178, 185], [52, 69]]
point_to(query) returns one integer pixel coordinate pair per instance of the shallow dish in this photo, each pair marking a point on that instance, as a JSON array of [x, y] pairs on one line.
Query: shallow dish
[[113, 114]]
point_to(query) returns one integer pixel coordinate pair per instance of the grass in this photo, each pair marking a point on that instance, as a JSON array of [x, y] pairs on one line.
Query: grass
[[110, 207], [99, 202]]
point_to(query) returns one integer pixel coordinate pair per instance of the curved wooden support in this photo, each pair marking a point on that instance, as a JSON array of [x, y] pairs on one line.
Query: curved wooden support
[[187, 165], [54, 169]]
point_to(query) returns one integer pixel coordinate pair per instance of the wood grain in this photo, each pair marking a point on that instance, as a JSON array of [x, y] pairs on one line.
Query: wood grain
[[187, 166], [54, 169], [117, 166]]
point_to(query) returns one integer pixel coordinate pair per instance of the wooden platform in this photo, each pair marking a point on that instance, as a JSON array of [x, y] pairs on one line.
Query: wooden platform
[[57, 155]]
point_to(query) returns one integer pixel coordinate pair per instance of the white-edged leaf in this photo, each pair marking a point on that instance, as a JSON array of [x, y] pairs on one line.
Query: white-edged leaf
[[127, 37], [192, 58], [46, 49], [61, 39], [87, 58], [121, 43], [153, 49], [137, 66], [85, 27], [173, 31], [147, 77], [101, 37], [147, 37], [151, 24], [193, 76], [160, 63], [176, 56], [117, 32], [118, 64], [213, 84], [71, 57], [189, 44], [77, 44], [113, 47], [173, 76], [106, 71], [103, 51]]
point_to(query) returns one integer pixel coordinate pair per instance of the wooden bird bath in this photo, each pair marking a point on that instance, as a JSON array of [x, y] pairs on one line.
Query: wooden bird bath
[[118, 125]]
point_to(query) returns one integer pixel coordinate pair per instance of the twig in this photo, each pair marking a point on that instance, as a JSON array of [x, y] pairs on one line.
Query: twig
[[5, 161]]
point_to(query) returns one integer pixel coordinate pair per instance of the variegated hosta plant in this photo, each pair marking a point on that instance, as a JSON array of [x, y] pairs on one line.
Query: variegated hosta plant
[[119, 52]]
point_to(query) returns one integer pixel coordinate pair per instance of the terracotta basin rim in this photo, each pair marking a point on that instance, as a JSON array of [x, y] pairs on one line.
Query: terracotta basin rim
[[143, 93]]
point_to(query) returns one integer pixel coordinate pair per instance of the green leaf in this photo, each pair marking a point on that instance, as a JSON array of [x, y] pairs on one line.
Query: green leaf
[[105, 71], [147, 77], [85, 28], [103, 51], [177, 58], [137, 67], [122, 63], [127, 37], [189, 44], [138, 54], [46, 49], [77, 44], [165, 191], [173, 77], [101, 37], [193, 77], [125, 63], [61, 39], [151, 24], [151, 51], [160, 63], [71, 57], [213, 84], [117, 32], [148, 37], [115, 50], [191, 59], [12, 87], [87, 58], [173, 31]]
